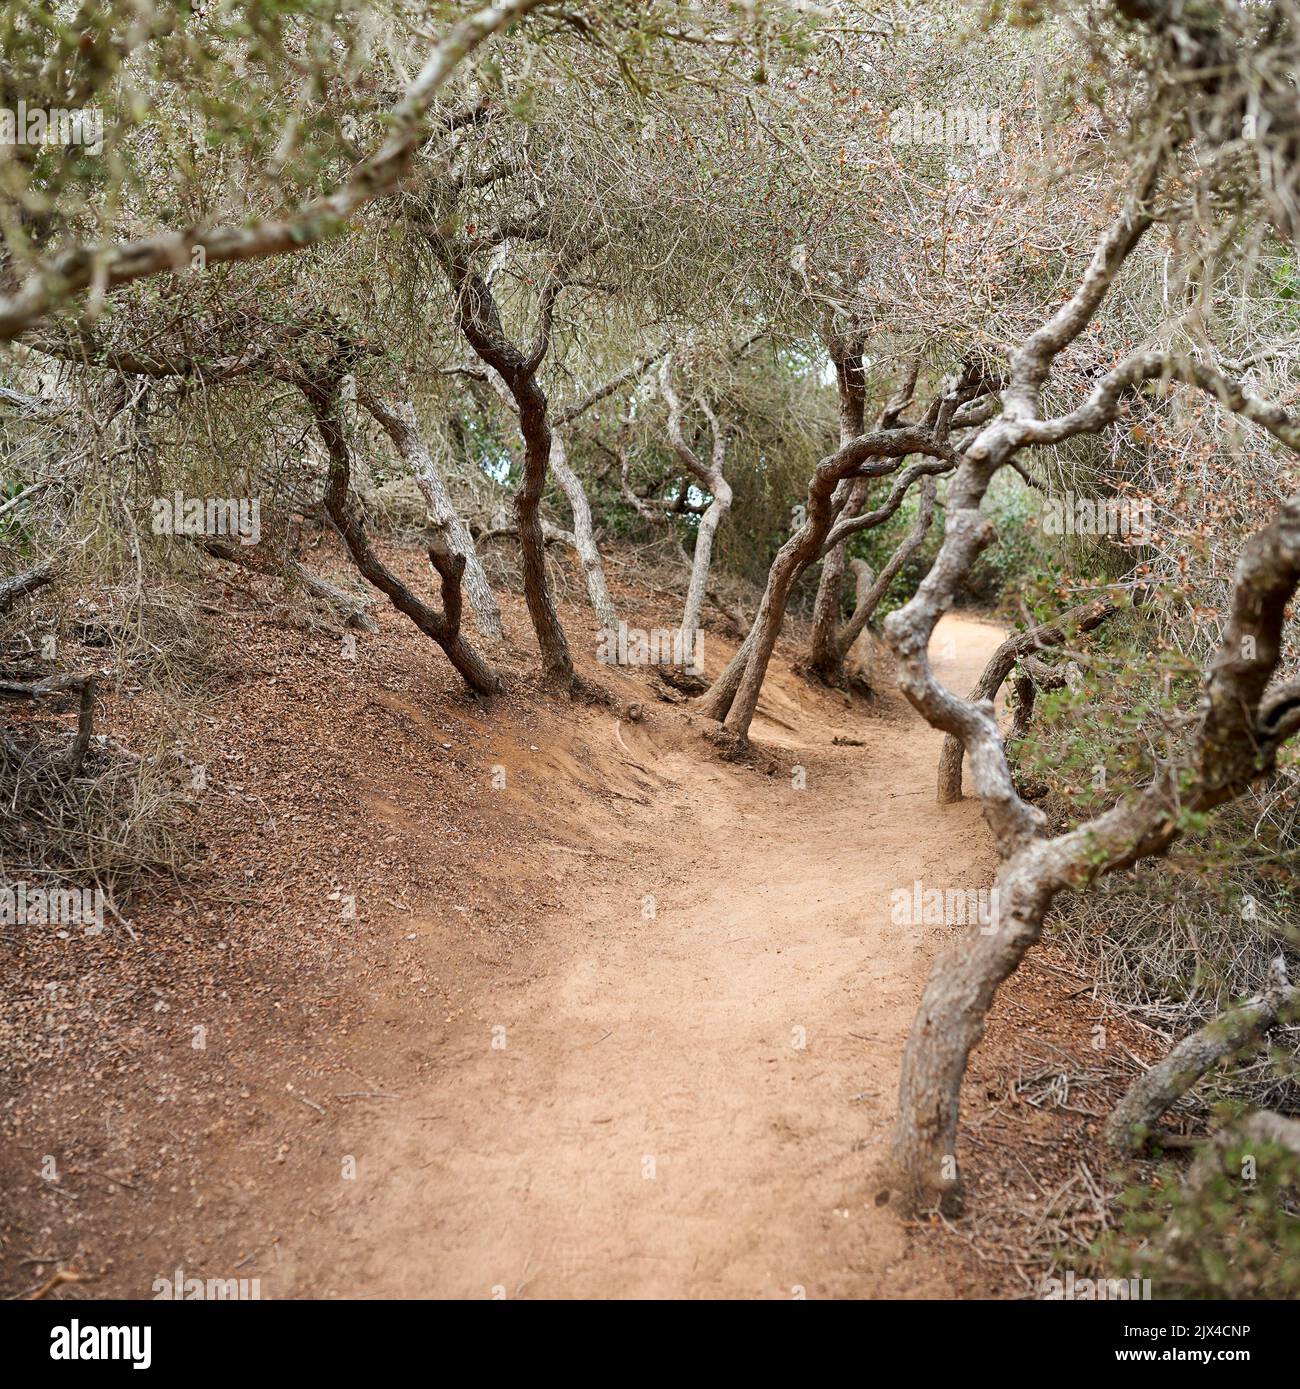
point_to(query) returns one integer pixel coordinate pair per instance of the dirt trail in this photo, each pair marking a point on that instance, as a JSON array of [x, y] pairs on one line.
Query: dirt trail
[[689, 1102]]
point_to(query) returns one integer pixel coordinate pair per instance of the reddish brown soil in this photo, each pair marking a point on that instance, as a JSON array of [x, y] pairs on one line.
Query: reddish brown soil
[[506, 1075]]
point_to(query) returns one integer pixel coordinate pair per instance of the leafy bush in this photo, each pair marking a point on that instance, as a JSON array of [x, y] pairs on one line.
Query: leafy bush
[[1232, 1230]]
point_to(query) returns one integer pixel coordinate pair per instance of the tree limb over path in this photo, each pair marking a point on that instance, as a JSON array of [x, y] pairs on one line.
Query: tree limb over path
[[1241, 726], [733, 697], [83, 267]]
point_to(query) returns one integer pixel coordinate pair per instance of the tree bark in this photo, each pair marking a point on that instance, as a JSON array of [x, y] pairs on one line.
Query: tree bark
[[1237, 740], [399, 422], [716, 701], [1240, 728], [702, 558], [859, 658], [444, 627], [1030, 676], [584, 536], [18, 586], [734, 695], [868, 602], [792, 559], [825, 527], [1133, 1120], [824, 658], [1083, 618], [479, 318], [711, 478], [826, 649]]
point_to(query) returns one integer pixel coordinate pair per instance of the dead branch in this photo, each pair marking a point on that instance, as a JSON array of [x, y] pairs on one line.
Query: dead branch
[[349, 607], [1133, 1120], [20, 585], [52, 687]]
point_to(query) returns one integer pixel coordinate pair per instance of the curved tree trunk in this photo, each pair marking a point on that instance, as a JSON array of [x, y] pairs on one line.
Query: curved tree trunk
[[715, 702], [711, 478], [557, 664], [1237, 742], [858, 656], [826, 650], [444, 628], [703, 556], [479, 318], [399, 422], [1083, 618], [868, 602], [733, 697], [1241, 724], [948, 1025], [584, 535], [823, 647], [792, 559], [825, 657]]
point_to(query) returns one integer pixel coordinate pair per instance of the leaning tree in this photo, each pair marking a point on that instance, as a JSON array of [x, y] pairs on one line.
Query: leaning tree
[[1193, 172]]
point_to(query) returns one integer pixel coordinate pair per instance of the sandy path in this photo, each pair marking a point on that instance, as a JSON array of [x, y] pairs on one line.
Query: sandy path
[[688, 1105]]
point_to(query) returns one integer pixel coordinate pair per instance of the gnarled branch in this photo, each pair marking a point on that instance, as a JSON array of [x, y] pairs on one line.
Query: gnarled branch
[[1133, 1120]]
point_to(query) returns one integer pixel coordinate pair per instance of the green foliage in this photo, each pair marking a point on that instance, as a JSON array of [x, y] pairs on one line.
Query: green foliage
[[1018, 566], [1286, 282], [1095, 741], [1234, 1235]]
